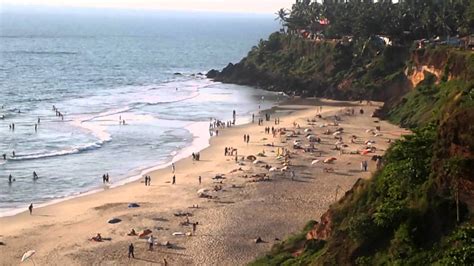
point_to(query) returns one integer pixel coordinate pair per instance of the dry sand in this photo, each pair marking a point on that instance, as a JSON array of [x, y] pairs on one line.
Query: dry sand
[[228, 224]]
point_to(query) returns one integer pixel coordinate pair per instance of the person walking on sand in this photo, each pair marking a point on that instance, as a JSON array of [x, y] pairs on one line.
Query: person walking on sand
[[151, 241], [131, 249], [174, 180], [173, 168], [199, 180], [30, 208]]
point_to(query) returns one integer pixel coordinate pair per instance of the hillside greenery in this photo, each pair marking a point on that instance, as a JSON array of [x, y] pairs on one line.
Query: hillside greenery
[[417, 209]]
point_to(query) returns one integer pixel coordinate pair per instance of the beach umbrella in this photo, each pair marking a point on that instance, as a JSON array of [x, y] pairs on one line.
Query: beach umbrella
[[202, 191], [251, 158], [144, 233], [114, 221], [27, 255], [329, 160]]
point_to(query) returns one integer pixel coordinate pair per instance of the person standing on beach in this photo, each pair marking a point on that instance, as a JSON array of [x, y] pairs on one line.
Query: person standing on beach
[[35, 176], [103, 178], [10, 179], [146, 180], [199, 180], [30, 208], [4, 156], [36, 127], [151, 241], [39, 120], [131, 249], [174, 180], [149, 180], [107, 178]]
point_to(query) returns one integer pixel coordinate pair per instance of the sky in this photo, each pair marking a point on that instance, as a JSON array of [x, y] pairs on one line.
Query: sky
[[234, 6]]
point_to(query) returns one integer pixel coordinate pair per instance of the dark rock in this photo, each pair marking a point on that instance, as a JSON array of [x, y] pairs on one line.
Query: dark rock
[[212, 73]]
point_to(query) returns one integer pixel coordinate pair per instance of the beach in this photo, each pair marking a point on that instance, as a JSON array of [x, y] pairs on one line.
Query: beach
[[246, 202]]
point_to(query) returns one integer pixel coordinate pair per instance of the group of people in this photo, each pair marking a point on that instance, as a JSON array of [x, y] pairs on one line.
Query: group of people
[[229, 151], [11, 179], [105, 178], [196, 156], [147, 180], [268, 129], [58, 113]]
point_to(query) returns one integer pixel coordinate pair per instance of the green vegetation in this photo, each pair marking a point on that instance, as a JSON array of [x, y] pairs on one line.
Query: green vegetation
[[403, 21], [417, 209]]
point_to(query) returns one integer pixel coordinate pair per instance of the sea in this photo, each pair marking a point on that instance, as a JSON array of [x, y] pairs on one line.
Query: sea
[[98, 67]]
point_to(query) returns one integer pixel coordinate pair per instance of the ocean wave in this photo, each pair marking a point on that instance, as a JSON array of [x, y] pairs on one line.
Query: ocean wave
[[72, 150], [41, 52]]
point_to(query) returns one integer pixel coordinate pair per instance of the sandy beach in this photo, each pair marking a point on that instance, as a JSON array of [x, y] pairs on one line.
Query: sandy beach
[[250, 200]]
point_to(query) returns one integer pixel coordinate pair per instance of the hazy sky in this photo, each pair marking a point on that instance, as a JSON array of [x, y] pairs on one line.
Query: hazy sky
[[247, 6]]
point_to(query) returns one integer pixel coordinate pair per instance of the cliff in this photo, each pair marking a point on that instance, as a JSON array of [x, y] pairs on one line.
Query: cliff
[[418, 208]]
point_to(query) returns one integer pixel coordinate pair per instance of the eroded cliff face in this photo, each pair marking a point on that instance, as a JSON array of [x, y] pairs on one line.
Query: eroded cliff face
[[418, 73], [445, 64]]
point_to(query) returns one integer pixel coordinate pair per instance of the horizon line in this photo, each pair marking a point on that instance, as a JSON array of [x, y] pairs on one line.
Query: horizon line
[[6, 8]]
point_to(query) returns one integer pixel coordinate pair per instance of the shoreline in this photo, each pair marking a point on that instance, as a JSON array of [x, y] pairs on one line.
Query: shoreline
[[60, 231], [200, 135]]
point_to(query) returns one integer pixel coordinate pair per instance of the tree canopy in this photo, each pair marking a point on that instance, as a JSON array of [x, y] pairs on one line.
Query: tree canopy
[[407, 19]]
